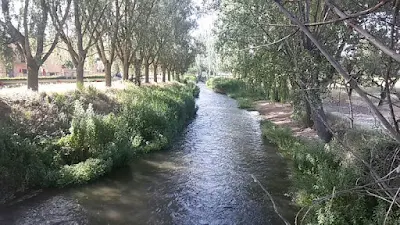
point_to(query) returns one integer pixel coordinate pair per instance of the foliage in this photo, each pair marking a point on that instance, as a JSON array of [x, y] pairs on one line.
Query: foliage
[[191, 81], [21, 165], [325, 184], [137, 121], [238, 89]]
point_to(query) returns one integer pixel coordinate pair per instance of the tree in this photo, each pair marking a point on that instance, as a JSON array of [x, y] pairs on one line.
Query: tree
[[179, 50], [30, 33], [79, 33], [106, 45]]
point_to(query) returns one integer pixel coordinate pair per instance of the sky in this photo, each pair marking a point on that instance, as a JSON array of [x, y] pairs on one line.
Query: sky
[[205, 22]]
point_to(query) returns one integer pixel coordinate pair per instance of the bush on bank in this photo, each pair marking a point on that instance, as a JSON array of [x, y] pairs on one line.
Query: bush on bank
[[237, 89], [327, 182], [191, 80], [59, 140]]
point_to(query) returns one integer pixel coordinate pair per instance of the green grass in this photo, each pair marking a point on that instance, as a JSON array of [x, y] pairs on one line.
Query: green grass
[[87, 133]]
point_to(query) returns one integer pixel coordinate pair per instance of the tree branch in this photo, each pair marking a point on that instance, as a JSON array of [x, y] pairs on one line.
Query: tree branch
[[341, 71], [390, 52]]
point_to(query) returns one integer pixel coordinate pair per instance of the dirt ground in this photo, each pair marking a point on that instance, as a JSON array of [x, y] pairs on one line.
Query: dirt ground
[[335, 103], [280, 114]]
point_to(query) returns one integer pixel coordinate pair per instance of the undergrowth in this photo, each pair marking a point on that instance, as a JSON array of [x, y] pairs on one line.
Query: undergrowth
[[237, 89], [59, 140], [326, 183]]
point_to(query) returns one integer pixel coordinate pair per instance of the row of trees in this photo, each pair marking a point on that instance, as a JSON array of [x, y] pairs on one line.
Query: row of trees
[[139, 33]]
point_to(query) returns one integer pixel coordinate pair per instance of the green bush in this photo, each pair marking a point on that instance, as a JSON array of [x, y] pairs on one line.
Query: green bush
[[82, 172], [245, 103], [321, 181], [101, 136], [237, 89], [226, 85], [189, 78], [21, 166]]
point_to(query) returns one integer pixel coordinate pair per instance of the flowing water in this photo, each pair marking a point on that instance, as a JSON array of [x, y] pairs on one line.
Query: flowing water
[[207, 177]]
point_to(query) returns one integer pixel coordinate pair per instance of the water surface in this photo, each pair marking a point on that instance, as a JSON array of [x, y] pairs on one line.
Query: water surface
[[205, 178]]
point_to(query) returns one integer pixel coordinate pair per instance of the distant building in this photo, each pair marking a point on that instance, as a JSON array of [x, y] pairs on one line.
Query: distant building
[[54, 66]]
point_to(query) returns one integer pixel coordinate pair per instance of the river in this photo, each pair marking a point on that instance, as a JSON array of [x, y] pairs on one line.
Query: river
[[207, 177]]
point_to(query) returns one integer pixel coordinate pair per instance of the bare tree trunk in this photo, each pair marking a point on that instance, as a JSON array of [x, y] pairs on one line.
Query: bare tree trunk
[[169, 75], [146, 72], [107, 66], [164, 71], [125, 63], [308, 122], [349, 93], [138, 75], [389, 97], [79, 73], [155, 72], [33, 74]]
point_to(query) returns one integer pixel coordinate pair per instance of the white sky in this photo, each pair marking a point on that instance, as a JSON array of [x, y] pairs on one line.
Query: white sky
[[205, 22]]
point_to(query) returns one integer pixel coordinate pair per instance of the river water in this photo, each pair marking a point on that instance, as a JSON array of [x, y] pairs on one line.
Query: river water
[[207, 177]]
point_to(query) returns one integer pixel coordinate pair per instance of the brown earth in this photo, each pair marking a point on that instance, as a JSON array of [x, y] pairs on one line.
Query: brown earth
[[280, 114]]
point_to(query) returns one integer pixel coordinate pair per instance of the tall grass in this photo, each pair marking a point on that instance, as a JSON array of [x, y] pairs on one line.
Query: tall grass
[[100, 137]]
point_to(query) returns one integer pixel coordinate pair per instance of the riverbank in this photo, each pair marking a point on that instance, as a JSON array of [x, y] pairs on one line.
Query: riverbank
[[329, 183], [63, 139]]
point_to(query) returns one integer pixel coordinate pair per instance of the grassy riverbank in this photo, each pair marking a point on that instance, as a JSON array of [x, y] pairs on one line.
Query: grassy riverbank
[[329, 182], [58, 140], [238, 90]]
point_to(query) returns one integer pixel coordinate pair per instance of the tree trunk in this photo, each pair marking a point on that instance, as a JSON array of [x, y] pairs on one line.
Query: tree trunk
[[155, 72], [146, 72], [169, 75], [178, 77], [138, 75], [164, 71], [33, 75], [79, 73], [107, 67], [349, 91], [318, 116], [125, 69], [308, 122]]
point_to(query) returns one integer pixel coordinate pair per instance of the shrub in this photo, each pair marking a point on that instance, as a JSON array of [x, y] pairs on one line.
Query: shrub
[[101, 136], [322, 181], [237, 89], [189, 78], [20, 163], [82, 172], [226, 86]]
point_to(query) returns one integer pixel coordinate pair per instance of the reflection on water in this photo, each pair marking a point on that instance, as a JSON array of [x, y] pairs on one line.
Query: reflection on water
[[206, 178]]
